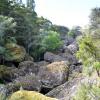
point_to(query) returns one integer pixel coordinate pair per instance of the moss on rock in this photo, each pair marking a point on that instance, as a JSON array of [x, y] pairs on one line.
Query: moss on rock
[[29, 95], [14, 52], [5, 73]]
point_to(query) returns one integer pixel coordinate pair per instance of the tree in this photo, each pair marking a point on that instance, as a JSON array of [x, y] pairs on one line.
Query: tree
[[75, 31], [95, 18], [5, 7], [31, 4], [52, 41], [7, 25]]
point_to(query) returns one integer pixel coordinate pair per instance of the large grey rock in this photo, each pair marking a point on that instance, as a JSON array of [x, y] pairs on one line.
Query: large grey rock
[[73, 47], [50, 57], [28, 67], [66, 91], [28, 82], [53, 74], [67, 56], [42, 63], [69, 89], [71, 59]]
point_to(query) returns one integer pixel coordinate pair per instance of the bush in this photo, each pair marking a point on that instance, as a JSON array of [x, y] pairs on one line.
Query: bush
[[52, 41], [88, 92]]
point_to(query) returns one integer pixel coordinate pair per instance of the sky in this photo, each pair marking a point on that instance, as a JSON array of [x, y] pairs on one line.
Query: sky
[[66, 12]]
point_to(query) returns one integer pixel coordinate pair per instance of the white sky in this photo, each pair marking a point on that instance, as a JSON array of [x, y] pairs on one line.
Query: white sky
[[66, 12]]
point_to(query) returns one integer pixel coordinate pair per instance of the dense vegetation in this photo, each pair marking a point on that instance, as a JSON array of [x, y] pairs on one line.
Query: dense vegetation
[[23, 33], [89, 44], [21, 24]]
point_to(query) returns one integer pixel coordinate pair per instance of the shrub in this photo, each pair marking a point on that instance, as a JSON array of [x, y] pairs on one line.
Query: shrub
[[88, 92], [52, 41]]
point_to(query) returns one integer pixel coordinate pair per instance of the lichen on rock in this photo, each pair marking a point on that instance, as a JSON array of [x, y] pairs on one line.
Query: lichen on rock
[[14, 52], [29, 95]]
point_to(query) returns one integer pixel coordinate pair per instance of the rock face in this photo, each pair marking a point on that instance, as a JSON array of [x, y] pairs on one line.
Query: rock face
[[42, 63], [28, 82], [29, 95], [14, 52], [54, 74], [66, 91], [66, 56], [73, 47], [50, 57], [28, 67], [69, 89]]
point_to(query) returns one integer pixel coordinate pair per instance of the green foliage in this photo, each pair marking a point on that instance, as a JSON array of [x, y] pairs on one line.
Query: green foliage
[[5, 7], [7, 25], [96, 65], [60, 29], [95, 18], [71, 34], [88, 92], [52, 41], [31, 4], [89, 51], [3, 97]]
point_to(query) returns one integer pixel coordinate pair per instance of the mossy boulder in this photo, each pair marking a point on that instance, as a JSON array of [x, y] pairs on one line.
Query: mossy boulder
[[29, 95], [14, 52], [54, 74], [6, 73]]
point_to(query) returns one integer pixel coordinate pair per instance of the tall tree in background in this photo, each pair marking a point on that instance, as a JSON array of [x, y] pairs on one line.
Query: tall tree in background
[[31, 4], [95, 18], [20, 1]]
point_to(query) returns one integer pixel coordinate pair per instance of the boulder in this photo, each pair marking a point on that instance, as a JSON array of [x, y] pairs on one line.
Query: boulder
[[53, 74], [7, 74], [29, 95], [28, 67], [28, 82], [65, 91], [42, 63], [69, 89], [70, 40], [50, 57], [14, 52], [73, 47], [70, 58], [66, 56]]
